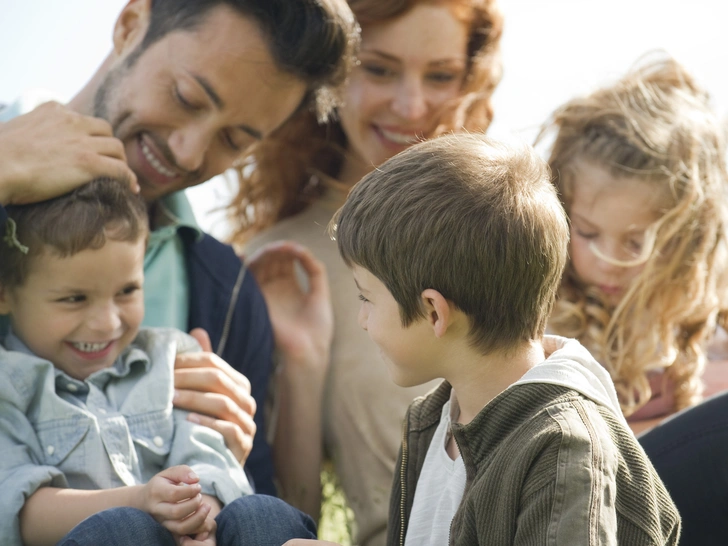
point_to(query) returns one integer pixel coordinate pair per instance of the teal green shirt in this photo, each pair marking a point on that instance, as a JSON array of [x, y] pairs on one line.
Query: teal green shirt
[[166, 284]]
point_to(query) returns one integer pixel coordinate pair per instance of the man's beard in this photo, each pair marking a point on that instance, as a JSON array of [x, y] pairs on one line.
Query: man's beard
[[111, 82]]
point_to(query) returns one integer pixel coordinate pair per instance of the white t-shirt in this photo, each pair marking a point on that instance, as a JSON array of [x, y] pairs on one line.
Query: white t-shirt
[[439, 490]]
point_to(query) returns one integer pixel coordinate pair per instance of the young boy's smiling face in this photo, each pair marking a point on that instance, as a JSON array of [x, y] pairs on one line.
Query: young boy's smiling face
[[81, 311], [408, 352]]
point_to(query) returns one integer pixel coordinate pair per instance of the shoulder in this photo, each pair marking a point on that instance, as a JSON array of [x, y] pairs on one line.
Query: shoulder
[[23, 377], [152, 340]]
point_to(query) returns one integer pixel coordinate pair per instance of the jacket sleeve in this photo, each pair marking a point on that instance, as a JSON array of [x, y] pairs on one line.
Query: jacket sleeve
[[569, 496]]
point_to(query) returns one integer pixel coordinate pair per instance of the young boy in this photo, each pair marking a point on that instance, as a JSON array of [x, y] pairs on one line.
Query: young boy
[[457, 246], [87, 426]]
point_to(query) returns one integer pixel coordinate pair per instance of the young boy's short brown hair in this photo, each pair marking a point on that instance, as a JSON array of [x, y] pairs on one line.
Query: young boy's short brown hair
[[81, 219], [475, 219]]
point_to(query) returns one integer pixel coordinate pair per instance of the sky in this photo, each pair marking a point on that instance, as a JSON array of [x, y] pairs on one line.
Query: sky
[[552, 50]]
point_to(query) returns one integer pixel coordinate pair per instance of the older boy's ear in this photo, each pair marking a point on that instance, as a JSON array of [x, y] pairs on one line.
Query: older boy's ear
[[131, 25], [437, 310]]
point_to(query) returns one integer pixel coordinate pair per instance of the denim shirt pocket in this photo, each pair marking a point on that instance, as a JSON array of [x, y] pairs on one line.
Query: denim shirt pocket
[[60, 438], [152, 434]]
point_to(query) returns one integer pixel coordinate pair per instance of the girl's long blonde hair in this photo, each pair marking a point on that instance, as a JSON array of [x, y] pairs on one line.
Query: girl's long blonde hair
[[656, 126], [281, 175]]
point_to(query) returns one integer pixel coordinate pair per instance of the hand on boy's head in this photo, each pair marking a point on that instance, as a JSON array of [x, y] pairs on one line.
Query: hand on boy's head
[[302, 319], [173, 498], [218, 395], [53, 149]]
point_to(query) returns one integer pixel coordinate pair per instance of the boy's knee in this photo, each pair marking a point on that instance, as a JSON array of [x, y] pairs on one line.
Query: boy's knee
[[263, 520], [118, 526]]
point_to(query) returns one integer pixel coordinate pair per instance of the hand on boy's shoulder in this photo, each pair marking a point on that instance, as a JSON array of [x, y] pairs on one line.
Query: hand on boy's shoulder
[[217, 395]]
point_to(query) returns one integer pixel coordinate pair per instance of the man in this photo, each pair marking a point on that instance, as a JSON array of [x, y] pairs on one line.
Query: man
[[187, 87]]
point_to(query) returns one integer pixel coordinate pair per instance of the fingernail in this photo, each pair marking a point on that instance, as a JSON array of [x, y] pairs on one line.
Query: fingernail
[[193, 476], [194, 418]]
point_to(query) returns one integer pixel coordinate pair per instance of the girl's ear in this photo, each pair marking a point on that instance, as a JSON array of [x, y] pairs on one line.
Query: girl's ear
[[131, 26], [437, 310]]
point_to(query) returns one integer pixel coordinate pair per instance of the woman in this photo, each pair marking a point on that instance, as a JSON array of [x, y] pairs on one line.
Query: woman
[[425, 68]]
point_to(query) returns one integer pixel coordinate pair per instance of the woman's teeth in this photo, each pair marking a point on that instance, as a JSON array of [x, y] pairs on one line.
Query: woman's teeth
[[400, 138]]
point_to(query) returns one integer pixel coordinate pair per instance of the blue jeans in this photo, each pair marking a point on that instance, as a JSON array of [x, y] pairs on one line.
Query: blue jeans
[[255, 520], [690, 453]]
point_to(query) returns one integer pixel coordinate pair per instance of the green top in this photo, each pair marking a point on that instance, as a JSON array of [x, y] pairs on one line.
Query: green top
[[166, 283]]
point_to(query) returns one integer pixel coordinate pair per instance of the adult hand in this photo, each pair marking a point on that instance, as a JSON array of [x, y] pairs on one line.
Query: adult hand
[[173, 498], [217, 394], [53, 149], [302, 319]]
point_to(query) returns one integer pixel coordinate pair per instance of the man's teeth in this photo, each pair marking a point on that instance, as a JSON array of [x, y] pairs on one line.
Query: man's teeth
[[400, 138], [90, 347], [154, 162]]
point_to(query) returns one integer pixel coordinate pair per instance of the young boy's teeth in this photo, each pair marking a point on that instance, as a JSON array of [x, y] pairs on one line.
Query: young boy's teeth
[[400, 138], [154, 162], [90, 347]]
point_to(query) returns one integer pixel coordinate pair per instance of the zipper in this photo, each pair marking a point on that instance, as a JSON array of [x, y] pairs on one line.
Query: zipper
[[402, 480]]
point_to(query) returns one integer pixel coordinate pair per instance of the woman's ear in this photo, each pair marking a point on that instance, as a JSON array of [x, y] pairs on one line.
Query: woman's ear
[[438, 311], [131, 26]]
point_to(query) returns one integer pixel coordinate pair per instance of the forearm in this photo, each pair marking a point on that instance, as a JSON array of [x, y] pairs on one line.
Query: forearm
[[50, 513], [298, 443]]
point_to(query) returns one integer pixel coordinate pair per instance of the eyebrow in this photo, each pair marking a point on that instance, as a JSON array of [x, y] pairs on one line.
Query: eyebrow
[[397, 60], [220, 104]]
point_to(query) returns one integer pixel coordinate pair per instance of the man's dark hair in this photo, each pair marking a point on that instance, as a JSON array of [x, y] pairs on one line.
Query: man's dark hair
[[313, 40]]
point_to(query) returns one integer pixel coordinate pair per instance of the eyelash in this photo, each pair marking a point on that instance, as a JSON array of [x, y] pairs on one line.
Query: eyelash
[[384, 72], [362, 298]]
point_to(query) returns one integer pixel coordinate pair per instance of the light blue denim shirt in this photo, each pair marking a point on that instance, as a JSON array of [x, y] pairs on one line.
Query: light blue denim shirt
[[115, 428]]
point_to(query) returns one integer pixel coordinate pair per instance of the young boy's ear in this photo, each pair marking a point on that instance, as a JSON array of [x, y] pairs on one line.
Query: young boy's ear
[[438, 311]]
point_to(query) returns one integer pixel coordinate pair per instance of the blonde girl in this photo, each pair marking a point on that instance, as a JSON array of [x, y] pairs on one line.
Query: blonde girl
[[640, 167], [425, 67]]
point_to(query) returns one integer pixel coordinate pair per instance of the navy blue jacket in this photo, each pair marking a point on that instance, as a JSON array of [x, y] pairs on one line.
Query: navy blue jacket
[[225, 300]]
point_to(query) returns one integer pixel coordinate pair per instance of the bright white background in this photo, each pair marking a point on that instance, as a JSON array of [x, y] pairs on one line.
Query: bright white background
[[552, 50]]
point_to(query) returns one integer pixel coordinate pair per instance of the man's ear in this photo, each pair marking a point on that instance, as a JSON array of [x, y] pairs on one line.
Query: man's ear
[[4, 300], [437, 310], [131, 26]]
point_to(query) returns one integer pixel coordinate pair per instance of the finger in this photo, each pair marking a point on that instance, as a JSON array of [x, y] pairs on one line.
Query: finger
[[177, 492], [208, 372], [191, 523], [178, 511], [104, 166], [203, 338], [96, 126], [108, 146], [179, 474], [238, 439], [216, 405]]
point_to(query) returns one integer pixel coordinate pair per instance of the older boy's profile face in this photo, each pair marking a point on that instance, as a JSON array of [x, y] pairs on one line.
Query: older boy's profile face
[[406, 351], [81, 311], [193, 100]]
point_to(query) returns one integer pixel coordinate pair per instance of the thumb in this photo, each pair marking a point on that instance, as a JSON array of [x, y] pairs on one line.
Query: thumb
[[203, 338], [180, 474]]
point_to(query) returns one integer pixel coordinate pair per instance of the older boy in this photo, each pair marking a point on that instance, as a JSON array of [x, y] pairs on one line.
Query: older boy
[[457, 247]]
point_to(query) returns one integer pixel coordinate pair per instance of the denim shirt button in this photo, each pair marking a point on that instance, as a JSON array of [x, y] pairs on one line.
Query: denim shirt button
[[71, 387], [158, 441], [50, 450]]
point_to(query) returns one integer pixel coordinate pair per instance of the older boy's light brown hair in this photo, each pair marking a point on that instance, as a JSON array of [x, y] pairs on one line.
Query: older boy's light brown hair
[[472, 218]]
